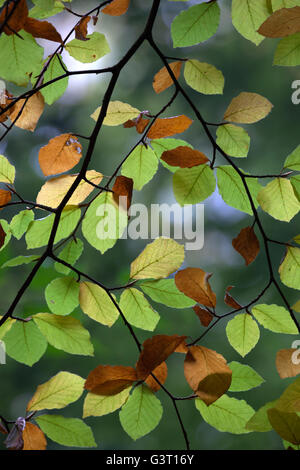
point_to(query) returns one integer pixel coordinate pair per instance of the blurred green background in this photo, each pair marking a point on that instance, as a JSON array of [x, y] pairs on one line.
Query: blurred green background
[[246, 68]]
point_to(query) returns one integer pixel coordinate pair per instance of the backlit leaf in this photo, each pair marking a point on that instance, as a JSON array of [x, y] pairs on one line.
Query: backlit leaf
[[247, 244], [289, 269], [71, 432], [95, 302], [88, 51], [193, 185], [62, 295], [42, 29], [288, 51], [117, 113], [99, 405], [203, 77], [234, 140], [292, 161], [243, 377], [5, 198], [60, 154], [32, 109], [137, 310], [55, 90], [116, 7], [33, 437], [161, 145], [184, 157], [25, 343], [141, 166], [165, 292], [248, 16], [110, 380], [282, 23], [275, 318], [70, 253], [160, 372], [278, 199], [166, 127], [248, 108], [20, 222], [194, 282], [242, 333], [162, 79], [7, 171]]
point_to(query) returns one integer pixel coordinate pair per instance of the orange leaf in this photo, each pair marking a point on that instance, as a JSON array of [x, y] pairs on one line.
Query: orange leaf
[[286, 362], [60, 154], [42, 29], [162, 80], [184, 157], [110, 380], [116, 7], [161, 373], [246, 244], [155, 351], [81, 29], [5, 101], [169, 126], [2, 236], [141, 124], [31, 112], [123, 188], [193, 282], [204, 315], [283, 22], [207, 373], [230, 300], [17, 18], [182, 348], [5, 197], [33, 437]]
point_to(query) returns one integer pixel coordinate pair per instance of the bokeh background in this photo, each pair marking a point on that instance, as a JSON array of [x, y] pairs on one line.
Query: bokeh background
[[246, 68]]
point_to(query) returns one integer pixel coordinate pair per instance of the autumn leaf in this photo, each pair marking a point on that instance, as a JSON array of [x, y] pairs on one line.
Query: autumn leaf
[[193, 282], [204, 315], [248, 108], [42, 29], [184, 157], [283, 22], [5, 100], [207, 373], [2, 236], [31, 112], [141, 124], [5, 197], [33, 437], [81, 29], [122, 188], [166, 127], [161, 373], [17, 19], [162, 80], [60, 154], [286, 366], [247, 244], [110, 380], [229, 300], [116, 7]]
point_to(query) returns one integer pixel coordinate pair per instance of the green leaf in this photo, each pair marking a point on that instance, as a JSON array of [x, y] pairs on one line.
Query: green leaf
[[234, 140], [104, 222], [260, 421], [72, 432], [25, 343], [290, 399], [62, 295], [19, 260], [203, 77], [19, 57], [288, 51], [100, 405], [39, 230], [6, 327], [197, 24], [137, 310], [278, 4], [7, 171], [226, 414], [70, 254], [20, 222], [275, 318], [88, 51], [141, 166], [289, 269], [278, 199], [165, 292], [242, 333], [233, 191], [292, 161], [45, 8], [61, 390], [247, 16], [65, 333], [53, 92], [141, 413], [295, 180], [162, 145], [95, 302], [287, 425], [4, 224], [193, 185], [243, 377]]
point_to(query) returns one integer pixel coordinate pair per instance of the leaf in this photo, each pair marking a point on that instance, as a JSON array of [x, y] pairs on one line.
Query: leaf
[[33, 437], [65, 333], [226, 414], [165, 127], [116, 7], [247, 108], [62, 295], [295, 180], [260, 421], [194, 282], [243, 377], [158, 260], [141, 413], [137, 310], [275, 318], [161, 373], [13, 17], [5, 234], [5, 327], [42, 29], [117, 113], [141, 166], [184, 157], [162, 79], [81, 29], [290, 399], [25, 343], [207, 373], [161, 145], [278, 4], [286, 364], [88, 51], [61, 390], [292, 161], [195, 25], [287, 425], [204, 315], [110, 380], [165, 292], [289, 269], [95, 302], [248, 16], [31, 110], [100, 405], [122, 188], [70, 253], [7, 171], [282, 23], [2, 237], [46, 8], [234, 140], [247, 244], [4, 102], [203, 77], [278, 199], [19, 260], [287, 52], [61, 154], [71, 432], [193, 185], [5, 198], [20, 222], [242, 333], [55, 90], [229, 300], [155, 351]]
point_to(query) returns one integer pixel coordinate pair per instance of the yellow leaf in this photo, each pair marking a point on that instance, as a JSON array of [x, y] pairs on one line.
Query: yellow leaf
[[248, 108], [31, 112], [117, 113]]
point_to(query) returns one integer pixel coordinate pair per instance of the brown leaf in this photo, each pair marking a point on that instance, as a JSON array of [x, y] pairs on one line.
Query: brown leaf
[[230, 300], [42, 29], [110, 380], [31, 112], [283, 22], [169, 126], [2, 236], [182, 348], [129, 123], [81, 29], [204, 315], [155, 351], [193, 282], [141, 124], [162, 80], [33, 437], [286, 364], [246, 244], [17, 19], [184, 157], [123, 187], [116, 7], [161, 373], [5, 197], [207, 373], [60, 154], [5, 101]]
